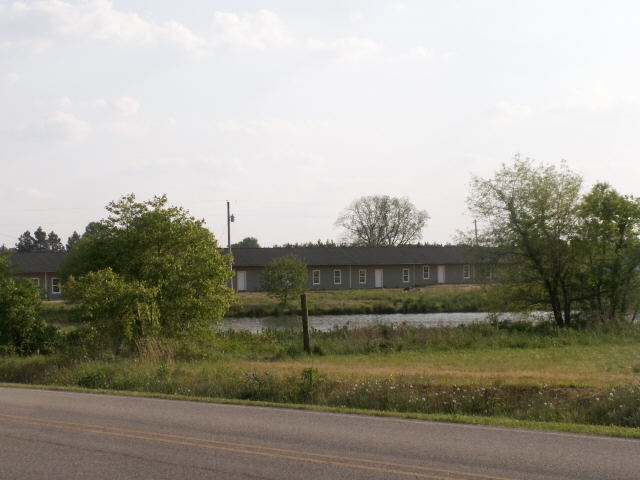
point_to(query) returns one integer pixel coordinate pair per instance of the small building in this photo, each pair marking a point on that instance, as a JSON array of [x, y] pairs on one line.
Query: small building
[[328, 268], [42, 268], [340, 268]]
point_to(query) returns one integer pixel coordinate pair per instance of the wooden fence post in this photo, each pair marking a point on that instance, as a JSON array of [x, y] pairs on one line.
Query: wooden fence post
[[305, 323]]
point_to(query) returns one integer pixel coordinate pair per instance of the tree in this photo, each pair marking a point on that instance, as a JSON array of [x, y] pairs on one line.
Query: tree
[[166, 251], [123, 311], [21, 329], [75, 236], [26, 242], [284, 277], [382, 221], [54, 243], [530, 214], [39, 242], [319, 244], [610, 249], [247, 242]]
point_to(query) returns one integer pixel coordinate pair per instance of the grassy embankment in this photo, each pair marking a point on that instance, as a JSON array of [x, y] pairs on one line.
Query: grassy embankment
[[438, 298], [483, 373]]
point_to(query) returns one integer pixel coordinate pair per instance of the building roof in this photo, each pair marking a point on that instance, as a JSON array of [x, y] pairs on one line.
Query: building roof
[[37, 262], [345, 256], [50, 262]]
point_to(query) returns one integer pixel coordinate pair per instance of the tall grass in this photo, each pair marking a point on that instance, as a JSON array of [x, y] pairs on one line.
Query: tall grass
[[477, 336], [617, 406], [339, 302], [479, 370]]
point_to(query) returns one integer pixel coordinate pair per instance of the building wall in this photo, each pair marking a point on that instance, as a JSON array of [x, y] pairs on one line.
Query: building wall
[[456, 274], [253, 279], [48, 283], [392, 277], [350, 279]]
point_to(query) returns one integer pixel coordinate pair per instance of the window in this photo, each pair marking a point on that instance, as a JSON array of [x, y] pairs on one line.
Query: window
[[362, 277], [316, 277], [466, 272], [55, 285], [337, 277], [36, 281], [405, 275], [426, 272]]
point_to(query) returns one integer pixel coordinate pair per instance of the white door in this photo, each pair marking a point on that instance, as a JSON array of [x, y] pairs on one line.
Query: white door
[[441, 278], [242, 280], [378, 274]]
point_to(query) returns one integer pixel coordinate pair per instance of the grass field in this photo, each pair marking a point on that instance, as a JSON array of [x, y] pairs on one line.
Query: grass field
[[573, 366], [585, 379], [490, 373]]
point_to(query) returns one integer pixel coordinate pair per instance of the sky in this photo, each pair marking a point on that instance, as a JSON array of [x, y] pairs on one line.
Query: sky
[[292, 110]]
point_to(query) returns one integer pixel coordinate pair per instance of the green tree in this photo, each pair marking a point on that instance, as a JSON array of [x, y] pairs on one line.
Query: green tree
[[40, 241], [26, 242], [21, 329], [75, 236], [319, 244], [123, 311], [54, 243], [382, 221], [284, 277], [247, 242], [167, 251], [610, 252], [528, 211]]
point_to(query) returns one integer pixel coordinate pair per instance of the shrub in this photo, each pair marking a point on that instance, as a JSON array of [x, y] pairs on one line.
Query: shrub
[[22, 331]]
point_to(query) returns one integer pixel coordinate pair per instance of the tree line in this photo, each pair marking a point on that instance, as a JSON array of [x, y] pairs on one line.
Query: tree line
[[41, 241], [555, 247], [150, 269]]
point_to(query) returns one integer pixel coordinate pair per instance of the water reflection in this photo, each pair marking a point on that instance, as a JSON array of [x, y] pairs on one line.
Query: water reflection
[[329, 322]]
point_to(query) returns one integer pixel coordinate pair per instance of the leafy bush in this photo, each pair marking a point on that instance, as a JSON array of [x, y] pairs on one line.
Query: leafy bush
[[22, 331], [153, 249], [121, 311]]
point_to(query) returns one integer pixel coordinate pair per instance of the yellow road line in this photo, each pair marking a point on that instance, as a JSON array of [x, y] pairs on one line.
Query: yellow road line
[[253, 449]]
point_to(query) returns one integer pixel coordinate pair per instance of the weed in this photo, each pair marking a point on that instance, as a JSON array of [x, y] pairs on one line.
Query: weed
[[505, 369]]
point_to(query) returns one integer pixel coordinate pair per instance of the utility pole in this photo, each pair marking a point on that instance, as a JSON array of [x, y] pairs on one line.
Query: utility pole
[[230, 218], [475, 224]]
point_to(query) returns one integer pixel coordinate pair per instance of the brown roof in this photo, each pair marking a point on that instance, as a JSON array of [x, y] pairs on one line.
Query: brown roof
[[50, 262], [37, 262], [329, 256]]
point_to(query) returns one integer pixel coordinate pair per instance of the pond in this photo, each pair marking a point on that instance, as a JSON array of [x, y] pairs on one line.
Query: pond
[[329, 322]]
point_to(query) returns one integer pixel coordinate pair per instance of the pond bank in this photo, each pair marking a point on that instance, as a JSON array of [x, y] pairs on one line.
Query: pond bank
[[436, 299], [325, 323]]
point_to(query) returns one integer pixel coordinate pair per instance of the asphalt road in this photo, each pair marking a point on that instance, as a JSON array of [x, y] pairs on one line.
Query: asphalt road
[[61, 435]]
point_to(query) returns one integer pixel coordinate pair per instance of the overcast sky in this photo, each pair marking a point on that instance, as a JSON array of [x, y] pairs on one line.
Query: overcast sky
[[291, 110]]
